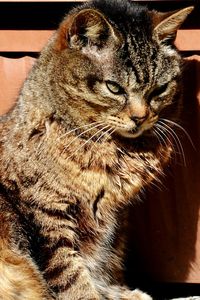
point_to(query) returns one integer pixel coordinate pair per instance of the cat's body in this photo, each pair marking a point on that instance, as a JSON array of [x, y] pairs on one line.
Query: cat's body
[[63, 192]]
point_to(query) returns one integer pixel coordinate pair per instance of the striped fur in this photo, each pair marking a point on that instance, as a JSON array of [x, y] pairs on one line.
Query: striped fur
[[79, 146]]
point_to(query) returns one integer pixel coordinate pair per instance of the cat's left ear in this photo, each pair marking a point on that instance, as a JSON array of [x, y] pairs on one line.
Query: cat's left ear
[[166, 24]]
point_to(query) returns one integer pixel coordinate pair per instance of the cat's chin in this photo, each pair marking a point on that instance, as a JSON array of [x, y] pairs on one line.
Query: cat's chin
[[130, 134]]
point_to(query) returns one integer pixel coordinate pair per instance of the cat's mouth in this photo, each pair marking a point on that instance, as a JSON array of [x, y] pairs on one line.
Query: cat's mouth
[[135, 132]]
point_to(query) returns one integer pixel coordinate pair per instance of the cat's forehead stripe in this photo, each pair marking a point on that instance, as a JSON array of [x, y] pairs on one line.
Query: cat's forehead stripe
[[132, 67], [142, 59]]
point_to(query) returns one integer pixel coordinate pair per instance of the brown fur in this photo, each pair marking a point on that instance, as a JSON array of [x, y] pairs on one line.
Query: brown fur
[[65, 185]]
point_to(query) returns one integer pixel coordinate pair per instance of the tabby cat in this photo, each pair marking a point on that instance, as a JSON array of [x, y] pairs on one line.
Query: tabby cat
[[84, 137]]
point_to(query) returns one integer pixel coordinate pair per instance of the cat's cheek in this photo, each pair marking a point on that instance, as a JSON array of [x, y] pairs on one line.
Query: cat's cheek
[[110, 111], [115, 104], [156, 105]]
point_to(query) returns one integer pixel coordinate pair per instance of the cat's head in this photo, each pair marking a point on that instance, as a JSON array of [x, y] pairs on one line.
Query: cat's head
[[119, 65]]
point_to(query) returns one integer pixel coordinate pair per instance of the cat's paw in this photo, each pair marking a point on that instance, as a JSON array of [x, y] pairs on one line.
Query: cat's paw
[[121, 292], [188, 298], [139, 295]]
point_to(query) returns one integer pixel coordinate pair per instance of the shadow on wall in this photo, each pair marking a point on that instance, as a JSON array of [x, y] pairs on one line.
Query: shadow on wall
[[164, 239]]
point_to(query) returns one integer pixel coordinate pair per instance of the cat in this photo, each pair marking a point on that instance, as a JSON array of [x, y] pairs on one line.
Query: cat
[[83, 139]]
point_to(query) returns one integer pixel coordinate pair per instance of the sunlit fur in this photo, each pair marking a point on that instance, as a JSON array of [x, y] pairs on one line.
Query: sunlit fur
[[93, 125]]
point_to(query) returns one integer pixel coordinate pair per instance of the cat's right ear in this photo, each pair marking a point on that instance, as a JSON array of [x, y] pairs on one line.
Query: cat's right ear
[[88, 27]]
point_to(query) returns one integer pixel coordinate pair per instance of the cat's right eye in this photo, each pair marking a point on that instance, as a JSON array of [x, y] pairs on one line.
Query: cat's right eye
[[114, 88]]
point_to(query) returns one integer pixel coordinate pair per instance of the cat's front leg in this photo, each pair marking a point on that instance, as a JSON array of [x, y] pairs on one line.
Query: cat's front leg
[[19, 278], [68, 277]]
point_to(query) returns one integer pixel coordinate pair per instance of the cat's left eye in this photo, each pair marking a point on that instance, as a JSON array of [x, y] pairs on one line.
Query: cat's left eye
[[158, 91], [114, 88]]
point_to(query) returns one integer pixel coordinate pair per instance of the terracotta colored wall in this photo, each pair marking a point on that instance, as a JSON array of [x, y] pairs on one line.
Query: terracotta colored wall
[[12, 74], [166, 226]]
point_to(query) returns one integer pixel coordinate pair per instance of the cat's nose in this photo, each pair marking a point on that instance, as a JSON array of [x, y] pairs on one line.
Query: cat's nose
[[138, 120]]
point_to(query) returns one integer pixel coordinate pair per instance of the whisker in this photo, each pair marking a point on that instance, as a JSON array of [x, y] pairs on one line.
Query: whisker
[[175, 137], [110, 133], [169, 140], [87, 141], [77, 128], [162, 130], [183, 129], [82, 133], [159, 133], [104, 133]]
